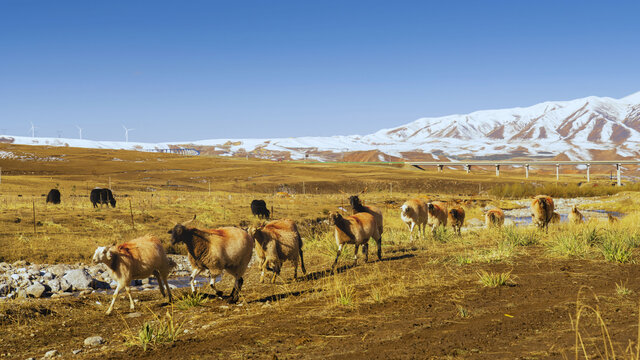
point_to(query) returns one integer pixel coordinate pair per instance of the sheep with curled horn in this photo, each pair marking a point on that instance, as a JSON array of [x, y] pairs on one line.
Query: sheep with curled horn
[[223, 249], [575, 216], [438, 215], [542, 211], [494, 218], [356, 229], [359, 207], [414, 213], [276, 242], [136, 259]]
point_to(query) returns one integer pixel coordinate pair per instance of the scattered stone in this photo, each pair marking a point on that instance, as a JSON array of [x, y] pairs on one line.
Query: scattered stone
[[93, 341], [50, 354], [133, 315], [206, 327], [36, 290], [224, 307], [5, 289], [76, 352], [86, 292], [79, 279]]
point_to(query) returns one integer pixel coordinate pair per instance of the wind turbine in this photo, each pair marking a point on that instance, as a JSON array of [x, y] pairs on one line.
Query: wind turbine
[[33, 130], [126, 133], [80, 131]]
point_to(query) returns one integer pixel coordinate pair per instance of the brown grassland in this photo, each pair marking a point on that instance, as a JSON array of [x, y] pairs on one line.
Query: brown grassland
[[488, 294]]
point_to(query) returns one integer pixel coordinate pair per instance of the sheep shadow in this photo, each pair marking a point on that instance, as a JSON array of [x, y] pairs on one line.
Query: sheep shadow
[[276, 297], [324, 273]]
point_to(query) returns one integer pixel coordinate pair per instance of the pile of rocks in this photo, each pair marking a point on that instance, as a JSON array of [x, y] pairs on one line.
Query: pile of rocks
[[22, 279]]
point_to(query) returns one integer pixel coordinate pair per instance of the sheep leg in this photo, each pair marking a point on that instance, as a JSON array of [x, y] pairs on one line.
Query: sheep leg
[[355, 255], [235, 293], [411, 230], [276, 272], [264, 269], [131, 305], [379, 246], [365, 252], [166, 285], [160, 285], [192, 281], [115, 295], [333, 267]]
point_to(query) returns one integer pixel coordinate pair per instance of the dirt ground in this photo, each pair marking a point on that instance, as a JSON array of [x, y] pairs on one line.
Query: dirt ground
[[531, 318]]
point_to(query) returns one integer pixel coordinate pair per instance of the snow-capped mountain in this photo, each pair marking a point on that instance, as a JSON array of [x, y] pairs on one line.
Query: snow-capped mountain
[[582, 129]]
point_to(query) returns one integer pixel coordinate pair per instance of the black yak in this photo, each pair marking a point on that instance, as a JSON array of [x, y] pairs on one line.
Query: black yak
[[53, 196], [102, 196], [259, 209]]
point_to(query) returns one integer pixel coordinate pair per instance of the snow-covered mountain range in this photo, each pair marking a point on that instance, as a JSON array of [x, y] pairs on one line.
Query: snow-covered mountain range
[[591, 128]]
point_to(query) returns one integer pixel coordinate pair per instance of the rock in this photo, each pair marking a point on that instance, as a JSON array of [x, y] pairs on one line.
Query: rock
[[64, 285], [36, 290], [76, 352], [15, 277], [50, 354], [145, 281], [474, 222], [93, 341], [47, 276], [21, 263], [58, 270], [5, 289], [86, 292], [54, 285], [136, 282], [79, 279], [133, 315]]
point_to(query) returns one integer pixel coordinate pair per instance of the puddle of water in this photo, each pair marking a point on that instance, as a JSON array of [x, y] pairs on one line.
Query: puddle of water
[[526, 220]]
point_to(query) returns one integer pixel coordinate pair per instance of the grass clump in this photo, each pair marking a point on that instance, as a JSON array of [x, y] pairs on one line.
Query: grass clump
[[520, 236], [490, 279], [161, 330], [622, 289], [345, 296], [190, 300]]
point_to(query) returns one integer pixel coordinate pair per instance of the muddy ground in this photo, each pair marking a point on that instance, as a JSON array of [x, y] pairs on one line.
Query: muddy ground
[[446, 315]]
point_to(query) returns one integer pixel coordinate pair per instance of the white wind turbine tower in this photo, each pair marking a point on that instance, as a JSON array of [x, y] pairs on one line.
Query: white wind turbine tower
[[33, 130], [126, 133], [79, 131]]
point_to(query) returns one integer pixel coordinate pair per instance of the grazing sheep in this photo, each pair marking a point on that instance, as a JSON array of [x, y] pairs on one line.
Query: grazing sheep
[[225, 248], [355, 229], [555, 218], [414, 212], [276, 242], [612, 219], [576, 216], [136, 259], [438, 214], [456, 219], [542, 211], [358, 207], [494, 218]]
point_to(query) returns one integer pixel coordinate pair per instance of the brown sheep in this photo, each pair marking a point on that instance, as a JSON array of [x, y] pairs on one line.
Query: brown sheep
[[456, 218], [414, 212], [276, 242], [355, 229], [576, 216], [494, 218], [225, 248], [358, 207], [612, 219], [542, 211], [438, 213], [136, 259]]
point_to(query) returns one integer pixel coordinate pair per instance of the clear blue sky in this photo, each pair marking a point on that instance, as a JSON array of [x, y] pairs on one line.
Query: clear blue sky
[[189, 70]]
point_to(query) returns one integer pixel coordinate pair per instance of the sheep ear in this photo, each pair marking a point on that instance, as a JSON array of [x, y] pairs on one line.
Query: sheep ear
[[108, 254]]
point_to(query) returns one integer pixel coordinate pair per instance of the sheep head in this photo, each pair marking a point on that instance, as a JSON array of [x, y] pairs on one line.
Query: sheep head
[[334, 217], [102, 255], [178, 231]]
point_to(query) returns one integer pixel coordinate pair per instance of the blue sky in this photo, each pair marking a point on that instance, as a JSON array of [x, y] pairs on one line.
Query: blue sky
[[190, 70]]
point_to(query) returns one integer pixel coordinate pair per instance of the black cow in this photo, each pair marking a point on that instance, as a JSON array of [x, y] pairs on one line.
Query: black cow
[[53, 196], [102, 196], [259, 209]]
